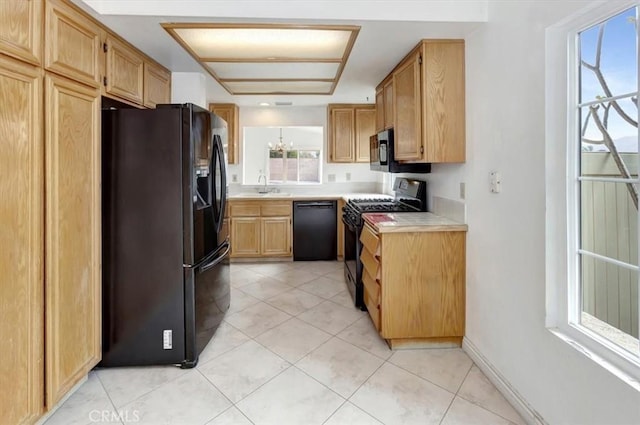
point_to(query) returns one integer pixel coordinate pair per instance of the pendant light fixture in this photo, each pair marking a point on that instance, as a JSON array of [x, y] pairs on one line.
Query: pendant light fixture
[[281, 146]]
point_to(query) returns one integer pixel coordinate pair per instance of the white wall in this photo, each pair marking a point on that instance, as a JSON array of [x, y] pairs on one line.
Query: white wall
[[361, 175], [189, 87], [505, 68]]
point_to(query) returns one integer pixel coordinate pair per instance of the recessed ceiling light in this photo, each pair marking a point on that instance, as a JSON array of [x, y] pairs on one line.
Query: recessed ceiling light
[[264, 104], [269, 58]]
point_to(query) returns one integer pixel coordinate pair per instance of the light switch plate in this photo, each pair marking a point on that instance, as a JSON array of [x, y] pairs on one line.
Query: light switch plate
[[348, 177], [331, 178], [462, 190], [234, 178]]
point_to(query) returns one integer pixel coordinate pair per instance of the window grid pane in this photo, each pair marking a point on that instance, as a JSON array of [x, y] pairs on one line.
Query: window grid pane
[[294, 166], [607, 151]]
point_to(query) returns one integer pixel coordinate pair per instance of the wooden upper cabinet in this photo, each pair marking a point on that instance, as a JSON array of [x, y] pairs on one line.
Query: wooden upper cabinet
[[21, 30], [407, 110], [72, 45], [444, 101], [365, 127], [379, 109], [72, 234], [22, 242], [157, 85], [424, 102], [341, 138], [231, 114], [388, 104], [124, 73]]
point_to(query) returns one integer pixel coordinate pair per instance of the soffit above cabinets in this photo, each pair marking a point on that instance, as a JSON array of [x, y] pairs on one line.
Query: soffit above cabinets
[[250, 59]]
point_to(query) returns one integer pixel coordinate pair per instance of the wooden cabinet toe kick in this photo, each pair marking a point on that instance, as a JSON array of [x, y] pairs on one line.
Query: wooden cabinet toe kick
[[436, 342]]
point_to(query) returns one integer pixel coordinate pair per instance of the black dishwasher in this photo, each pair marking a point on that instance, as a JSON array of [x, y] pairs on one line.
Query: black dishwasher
[[314, 230]]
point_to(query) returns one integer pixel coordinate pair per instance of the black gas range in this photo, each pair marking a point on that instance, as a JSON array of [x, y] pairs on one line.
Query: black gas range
[[409, 196]]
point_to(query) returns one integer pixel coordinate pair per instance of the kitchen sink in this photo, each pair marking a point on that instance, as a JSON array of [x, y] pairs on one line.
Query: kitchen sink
[[262, 195]]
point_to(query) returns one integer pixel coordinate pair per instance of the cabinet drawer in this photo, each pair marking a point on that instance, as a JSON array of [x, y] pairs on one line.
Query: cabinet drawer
[[275, 209], [370, 240], [370, 263], [244, 210], [371, 286], [372, 307]]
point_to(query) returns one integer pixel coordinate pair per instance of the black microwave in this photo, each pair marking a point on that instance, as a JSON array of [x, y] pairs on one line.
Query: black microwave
[[381, 156]]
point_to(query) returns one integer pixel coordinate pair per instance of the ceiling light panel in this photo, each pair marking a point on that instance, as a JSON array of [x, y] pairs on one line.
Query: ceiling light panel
[[265, 43], [269, 58], [277, 70], [279, 87]]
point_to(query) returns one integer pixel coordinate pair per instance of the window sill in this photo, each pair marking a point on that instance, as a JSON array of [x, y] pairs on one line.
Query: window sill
[[608, 365]]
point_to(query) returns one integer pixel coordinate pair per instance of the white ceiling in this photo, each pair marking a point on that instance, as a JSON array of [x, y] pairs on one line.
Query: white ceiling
[[389, 29]]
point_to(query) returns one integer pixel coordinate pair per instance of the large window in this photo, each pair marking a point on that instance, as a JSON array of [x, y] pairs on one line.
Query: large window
[[607, 176], [593, 292], [294, 166]]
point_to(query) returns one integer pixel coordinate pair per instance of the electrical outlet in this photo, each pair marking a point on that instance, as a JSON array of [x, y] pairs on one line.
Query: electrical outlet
[[234, 178], [348, 176], [462, 190], [331, 178], [495, 182]]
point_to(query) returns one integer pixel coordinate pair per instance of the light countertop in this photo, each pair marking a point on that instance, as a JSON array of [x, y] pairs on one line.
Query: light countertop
[[412, 222], [249, 196]]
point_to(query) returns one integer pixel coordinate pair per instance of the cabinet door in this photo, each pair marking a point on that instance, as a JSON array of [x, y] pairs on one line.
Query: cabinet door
[[73, 234], [230, 113], [157, 85], [365, 127], [406, 99], [341, 138], [388, 104], [245, 236], [21, 239], [72, 44], [124, 71], [379, 110], [21, 29], [276, 236], [444, 102]]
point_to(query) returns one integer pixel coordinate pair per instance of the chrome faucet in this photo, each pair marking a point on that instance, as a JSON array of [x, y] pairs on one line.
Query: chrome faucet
[[264, 188]]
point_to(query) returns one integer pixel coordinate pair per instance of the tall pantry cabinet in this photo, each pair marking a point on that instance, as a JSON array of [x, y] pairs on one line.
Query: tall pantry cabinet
[[50, 205]]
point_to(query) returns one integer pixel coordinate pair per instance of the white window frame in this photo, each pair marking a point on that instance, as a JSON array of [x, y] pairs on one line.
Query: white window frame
[[562, 190], [285, 159]]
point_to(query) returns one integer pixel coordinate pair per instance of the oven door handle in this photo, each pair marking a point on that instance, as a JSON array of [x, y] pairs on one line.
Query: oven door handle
[[349, 224]]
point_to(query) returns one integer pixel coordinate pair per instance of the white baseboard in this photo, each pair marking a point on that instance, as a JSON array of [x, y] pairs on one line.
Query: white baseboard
[[517, 401]]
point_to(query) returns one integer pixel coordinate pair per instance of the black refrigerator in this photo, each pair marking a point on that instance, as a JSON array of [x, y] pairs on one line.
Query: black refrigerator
[[165, 245]]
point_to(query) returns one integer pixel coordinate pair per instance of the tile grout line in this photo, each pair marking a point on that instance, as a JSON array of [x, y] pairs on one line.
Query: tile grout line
[[225, 396], [109, 397], [423, 378]]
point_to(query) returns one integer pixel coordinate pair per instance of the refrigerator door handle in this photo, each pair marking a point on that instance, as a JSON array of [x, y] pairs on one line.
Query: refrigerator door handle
[[207, 259], [218, 259], [223, 183]]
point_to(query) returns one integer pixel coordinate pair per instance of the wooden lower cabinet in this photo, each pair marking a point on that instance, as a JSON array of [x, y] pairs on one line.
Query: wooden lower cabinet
[[21, 239], [72, 235], [260, 229], [276, 236], [414, 286], [245, 236]]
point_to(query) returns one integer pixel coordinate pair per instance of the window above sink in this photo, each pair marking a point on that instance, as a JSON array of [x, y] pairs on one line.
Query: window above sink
[[293, 157]]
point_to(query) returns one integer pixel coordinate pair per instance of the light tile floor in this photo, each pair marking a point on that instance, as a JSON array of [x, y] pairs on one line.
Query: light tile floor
[[294, 351]]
